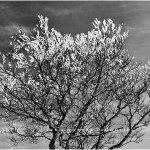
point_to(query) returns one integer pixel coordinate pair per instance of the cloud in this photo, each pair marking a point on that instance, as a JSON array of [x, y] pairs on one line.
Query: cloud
[[3, 139], [131, 7], [13, 28], [63, 11], [138, 31], [8, 31], [4, 6]]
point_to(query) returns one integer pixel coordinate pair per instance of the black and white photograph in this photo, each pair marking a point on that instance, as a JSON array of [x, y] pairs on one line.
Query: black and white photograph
[[75, 75]]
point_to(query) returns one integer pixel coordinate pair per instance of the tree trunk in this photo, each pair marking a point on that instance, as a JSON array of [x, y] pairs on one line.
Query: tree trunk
[[52, 142]]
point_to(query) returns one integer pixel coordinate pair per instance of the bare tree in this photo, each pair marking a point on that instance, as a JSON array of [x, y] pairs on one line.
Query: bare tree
[[82, 92]]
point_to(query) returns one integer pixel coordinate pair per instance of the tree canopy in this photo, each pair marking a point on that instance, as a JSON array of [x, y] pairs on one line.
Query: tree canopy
[[76, 92]]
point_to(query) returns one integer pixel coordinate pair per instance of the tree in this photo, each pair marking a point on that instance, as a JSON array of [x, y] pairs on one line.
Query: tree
[[82, 92]]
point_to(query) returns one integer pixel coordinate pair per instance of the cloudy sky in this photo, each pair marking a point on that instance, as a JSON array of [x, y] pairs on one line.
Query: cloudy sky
[[77, 17]]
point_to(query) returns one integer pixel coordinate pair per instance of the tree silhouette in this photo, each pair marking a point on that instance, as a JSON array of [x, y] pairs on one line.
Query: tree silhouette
[[81, 92]]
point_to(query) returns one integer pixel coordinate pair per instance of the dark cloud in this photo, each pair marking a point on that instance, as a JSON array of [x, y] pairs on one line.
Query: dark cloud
[[74, 17]]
